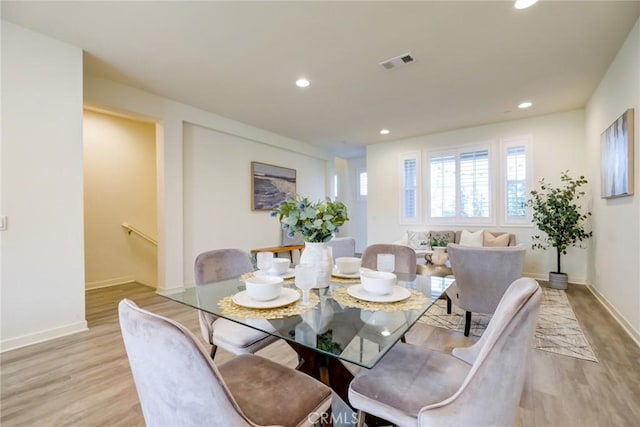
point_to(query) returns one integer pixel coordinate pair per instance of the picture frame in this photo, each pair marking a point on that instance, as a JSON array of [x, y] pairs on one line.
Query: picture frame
[[616, 157], [270, 185]]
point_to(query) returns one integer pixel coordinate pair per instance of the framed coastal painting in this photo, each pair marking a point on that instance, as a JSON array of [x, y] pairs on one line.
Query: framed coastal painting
[[616, 157], [270, 185]]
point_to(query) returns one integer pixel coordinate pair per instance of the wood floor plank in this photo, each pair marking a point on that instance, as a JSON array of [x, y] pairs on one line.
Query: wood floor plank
[[85, 380]]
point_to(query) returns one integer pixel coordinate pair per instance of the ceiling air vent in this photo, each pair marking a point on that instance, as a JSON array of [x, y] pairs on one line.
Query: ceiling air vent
[[405, 59]]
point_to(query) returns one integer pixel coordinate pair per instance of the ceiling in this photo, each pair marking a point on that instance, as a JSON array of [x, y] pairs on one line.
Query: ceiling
[[475, 60]]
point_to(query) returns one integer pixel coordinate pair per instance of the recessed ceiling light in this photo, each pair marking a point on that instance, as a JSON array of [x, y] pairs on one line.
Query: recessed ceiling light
[[523, 4], [302, 83], [525, 105], [384, 132]]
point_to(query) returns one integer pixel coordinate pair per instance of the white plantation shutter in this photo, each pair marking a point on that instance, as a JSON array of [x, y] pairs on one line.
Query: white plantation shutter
[[474, 184], [410, 188], [443, 186], [516, 179], [410, 184]]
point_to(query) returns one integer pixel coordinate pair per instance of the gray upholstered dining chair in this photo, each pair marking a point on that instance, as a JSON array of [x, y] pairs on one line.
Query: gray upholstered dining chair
[[222, 264], [482, 275], [342, 247], [179, 385], [405, 257], [478, 385]]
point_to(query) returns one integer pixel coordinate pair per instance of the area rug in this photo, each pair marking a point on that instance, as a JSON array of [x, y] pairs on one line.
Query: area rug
[[557, 331]]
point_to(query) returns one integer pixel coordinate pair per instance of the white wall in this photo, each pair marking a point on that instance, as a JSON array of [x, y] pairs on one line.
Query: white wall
[[558, 145], [42, 251], [119, 187], [217, 191], [357, 208], [172, 118], [614, 261], [347, 171]]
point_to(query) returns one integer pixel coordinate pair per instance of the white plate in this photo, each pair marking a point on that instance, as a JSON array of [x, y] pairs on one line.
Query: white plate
[[290, 273], [337, 273], [287, 296], [398, 293]]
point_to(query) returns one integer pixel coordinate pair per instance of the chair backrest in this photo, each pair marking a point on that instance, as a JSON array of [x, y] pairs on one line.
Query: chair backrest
[[484, 274], [221, 264], [342, 246], [215, 265], [177, 382], [405, 257], [491, 391]]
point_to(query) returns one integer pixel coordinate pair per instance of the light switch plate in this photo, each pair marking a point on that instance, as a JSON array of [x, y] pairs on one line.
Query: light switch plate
[[3, 223]]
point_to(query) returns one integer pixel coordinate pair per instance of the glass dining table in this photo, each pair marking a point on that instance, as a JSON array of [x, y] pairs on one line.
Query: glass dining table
[[345, 324]]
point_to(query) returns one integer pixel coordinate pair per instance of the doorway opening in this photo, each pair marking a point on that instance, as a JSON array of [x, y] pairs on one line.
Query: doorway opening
[[120, 200]]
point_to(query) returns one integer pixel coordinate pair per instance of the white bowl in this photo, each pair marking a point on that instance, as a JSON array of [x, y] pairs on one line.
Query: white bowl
[[264, 288], [377, 282], [348, 265], [279, 266]]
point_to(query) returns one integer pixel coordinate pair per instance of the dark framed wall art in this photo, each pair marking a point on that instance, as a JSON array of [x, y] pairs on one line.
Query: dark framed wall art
[[616, 157], [270, 185]]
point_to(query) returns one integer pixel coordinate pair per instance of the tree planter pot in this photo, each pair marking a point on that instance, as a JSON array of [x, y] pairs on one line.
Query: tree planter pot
[[558, 280]]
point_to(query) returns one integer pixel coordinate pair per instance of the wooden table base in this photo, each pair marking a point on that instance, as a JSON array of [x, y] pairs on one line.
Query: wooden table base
[[331, 372]]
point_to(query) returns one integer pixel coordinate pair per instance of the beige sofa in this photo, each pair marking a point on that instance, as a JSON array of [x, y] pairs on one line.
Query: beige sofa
[[414, 239], [420, 240]]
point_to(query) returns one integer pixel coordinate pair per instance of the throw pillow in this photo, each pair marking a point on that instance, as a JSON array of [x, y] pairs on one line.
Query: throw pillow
[[467, 238], [489, 240], [415, 238]]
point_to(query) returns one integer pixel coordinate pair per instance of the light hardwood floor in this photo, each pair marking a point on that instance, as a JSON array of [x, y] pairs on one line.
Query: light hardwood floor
[[84, 379]]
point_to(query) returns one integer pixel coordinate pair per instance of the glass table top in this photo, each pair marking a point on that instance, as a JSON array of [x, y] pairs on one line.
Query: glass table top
[[356, 335]]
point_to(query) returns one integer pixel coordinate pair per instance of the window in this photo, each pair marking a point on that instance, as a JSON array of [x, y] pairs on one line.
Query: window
[[474, 184], [335, 187], [460, 185], [443, 186], [410, 188], [362, 184], [516, 179]]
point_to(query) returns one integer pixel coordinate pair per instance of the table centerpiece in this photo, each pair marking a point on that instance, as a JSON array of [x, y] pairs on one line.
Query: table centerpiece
[[316, 222]]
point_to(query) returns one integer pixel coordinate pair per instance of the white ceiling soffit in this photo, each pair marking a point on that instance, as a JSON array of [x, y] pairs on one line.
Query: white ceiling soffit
[[475, 61]]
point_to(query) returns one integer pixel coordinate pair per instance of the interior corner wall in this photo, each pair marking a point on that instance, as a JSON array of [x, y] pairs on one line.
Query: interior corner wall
[[558, 145], [357, 206], [42, 250], [119, 187], [614, 258], [175, 120], [217, 191]]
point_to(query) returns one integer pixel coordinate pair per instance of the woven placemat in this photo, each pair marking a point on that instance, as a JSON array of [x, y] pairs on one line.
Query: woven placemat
[[345, 280], [417, 300], [229, 308]]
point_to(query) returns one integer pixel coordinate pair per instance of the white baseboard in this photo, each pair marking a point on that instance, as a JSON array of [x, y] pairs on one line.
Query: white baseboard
[[634, 334], [109, 282], [25, 340]]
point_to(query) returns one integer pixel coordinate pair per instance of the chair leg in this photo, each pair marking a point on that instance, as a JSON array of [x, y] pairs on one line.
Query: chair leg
[[361, 416], [214, 348], [448, 305], [467, 323]]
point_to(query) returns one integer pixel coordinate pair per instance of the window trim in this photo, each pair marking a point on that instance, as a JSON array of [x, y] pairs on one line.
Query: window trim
[[489, 146], [417, 219], [525, 141]]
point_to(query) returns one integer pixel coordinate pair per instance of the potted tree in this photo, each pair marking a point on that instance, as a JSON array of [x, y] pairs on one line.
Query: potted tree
[[560, 218]]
